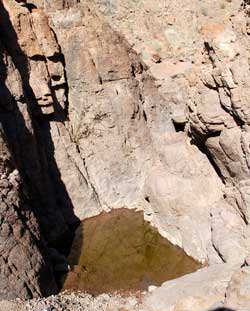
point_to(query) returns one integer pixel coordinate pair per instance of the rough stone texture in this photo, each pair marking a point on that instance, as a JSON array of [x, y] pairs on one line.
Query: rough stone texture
[[30, 216], [237, 296], [198, 54], [136, 104], [76, 302], [115, 109], [199, 291], [25, 269]]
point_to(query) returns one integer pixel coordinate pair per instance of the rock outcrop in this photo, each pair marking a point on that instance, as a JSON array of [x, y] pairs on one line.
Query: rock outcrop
[[201, 63], [31, 211], [124, 104], [25, 268]]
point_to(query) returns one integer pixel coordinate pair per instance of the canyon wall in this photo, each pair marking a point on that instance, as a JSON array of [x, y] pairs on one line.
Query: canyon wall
[[121, 104]]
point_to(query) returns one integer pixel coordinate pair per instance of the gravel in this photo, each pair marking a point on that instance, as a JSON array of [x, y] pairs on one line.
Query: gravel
[[76, 301]]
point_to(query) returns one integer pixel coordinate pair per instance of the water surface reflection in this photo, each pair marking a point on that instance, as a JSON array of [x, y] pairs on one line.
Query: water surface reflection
[[119, 251]]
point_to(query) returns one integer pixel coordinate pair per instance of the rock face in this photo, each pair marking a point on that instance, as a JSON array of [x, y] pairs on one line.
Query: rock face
[[115, 108], [29, 204], [123, 104], [25, 269]]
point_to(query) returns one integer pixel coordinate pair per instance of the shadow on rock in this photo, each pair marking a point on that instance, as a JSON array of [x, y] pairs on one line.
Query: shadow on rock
[[223, 309], [32, 148]]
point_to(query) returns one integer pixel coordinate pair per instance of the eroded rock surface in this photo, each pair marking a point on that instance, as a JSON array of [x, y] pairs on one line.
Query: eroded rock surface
[[115, 108], [25, 269], [126, 104], [201, 290]]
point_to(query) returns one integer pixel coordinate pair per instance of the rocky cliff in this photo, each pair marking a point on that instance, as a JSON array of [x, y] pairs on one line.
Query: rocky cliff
[[123, 104]]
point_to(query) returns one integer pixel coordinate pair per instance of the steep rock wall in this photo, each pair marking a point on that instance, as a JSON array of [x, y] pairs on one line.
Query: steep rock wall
[[93, 122], [25, 267]]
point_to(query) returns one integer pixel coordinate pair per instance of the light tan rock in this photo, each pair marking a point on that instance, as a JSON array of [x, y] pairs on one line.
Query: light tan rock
[[199, 291], [116, 109], [237, 294]]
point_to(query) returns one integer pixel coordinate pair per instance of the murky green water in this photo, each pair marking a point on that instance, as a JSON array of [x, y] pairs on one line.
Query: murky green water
[[119, 251]]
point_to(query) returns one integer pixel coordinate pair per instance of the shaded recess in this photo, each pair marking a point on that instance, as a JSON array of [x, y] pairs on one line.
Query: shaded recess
[[33, 148], [49, 211]]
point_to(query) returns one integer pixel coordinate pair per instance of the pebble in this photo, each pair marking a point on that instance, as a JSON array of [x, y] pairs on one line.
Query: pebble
[[151, 288], [82, 302]]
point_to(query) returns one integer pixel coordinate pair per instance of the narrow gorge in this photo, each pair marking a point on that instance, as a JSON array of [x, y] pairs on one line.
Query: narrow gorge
[[125, 141]]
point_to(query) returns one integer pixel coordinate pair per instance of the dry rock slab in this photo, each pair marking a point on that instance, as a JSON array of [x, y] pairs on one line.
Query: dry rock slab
[[199, 291]]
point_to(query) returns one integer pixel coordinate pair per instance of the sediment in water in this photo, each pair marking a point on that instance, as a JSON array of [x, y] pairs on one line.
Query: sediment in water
[[120, 251]]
